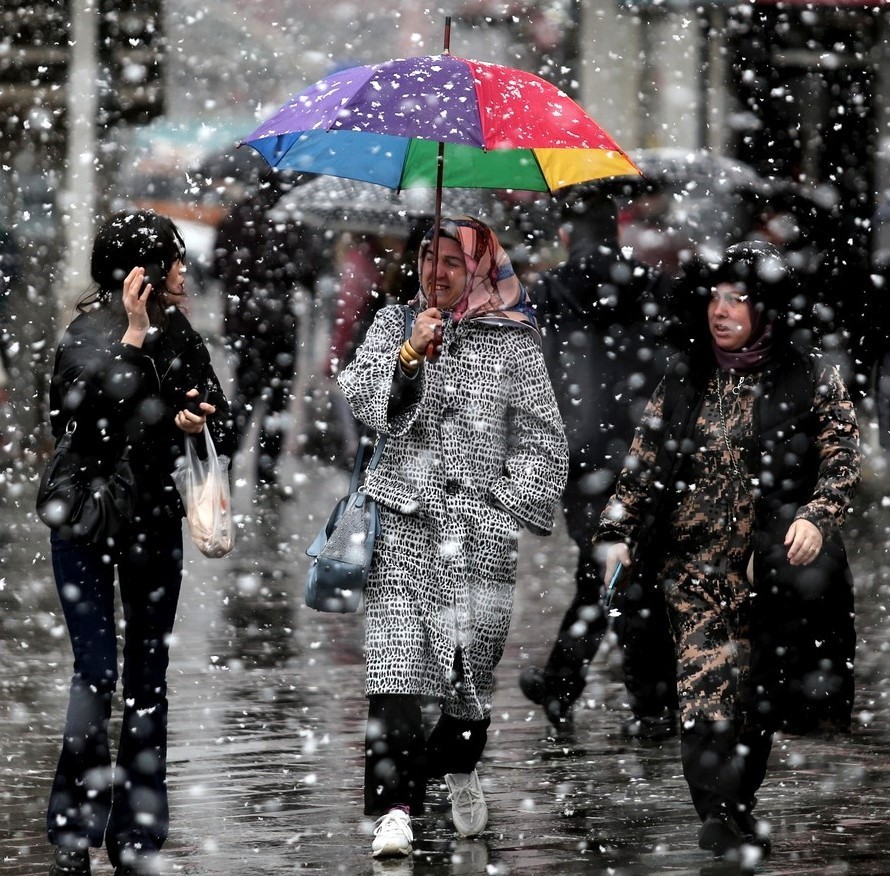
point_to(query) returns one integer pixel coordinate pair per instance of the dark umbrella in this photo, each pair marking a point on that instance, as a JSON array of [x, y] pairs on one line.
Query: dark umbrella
[[338, 204], [231, 165]]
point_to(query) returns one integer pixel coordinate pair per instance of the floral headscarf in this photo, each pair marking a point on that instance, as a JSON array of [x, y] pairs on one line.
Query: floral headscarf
[[493, 291]]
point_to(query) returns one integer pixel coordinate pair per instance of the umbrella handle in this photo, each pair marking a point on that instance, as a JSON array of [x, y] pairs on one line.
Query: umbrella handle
[[435, 346]]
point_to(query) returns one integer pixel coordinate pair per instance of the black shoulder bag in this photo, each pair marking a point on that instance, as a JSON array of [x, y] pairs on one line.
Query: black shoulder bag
[[80, 504]]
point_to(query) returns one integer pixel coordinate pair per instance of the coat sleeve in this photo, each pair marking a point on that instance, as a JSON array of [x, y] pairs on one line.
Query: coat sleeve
[[96, 378], [839, 454], [378, 393], [536, 466], [624, 513]]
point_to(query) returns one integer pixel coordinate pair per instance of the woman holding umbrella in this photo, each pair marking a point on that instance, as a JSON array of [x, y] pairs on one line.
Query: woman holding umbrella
[[737, 483], [476, 451]]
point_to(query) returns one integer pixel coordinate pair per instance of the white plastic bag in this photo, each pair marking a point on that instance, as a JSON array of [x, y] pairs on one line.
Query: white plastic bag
[[204, 487]]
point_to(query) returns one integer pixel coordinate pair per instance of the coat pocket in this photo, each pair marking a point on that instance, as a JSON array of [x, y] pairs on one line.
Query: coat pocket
[[395, 494]]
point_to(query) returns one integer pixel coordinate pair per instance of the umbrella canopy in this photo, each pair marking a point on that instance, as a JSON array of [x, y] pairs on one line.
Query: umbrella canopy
[[502, 128], [341, 204]]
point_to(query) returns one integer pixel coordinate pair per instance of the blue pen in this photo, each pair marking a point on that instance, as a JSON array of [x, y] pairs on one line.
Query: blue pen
[[613, 583]]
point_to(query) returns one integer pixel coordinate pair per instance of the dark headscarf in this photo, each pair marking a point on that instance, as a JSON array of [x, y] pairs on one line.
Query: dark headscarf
[[758, 268]]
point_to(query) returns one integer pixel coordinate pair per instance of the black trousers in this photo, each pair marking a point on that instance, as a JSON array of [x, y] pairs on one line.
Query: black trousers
[[264, 377], [724, 767], [88, 801], [399, 759], [585, 623], [641, 627]]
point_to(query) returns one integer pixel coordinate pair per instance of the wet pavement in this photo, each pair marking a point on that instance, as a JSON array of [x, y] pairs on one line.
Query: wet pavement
[[267, 722]]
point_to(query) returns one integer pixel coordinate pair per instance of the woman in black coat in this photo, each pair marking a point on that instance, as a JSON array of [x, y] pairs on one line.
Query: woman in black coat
[[737, 483], [130, 371]]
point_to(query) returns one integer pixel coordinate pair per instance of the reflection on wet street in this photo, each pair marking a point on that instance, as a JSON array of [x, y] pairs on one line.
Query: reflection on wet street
[[267, 722]]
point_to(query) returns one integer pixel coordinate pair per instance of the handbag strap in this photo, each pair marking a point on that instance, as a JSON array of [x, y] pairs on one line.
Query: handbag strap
[[363, 442], [366, 430]]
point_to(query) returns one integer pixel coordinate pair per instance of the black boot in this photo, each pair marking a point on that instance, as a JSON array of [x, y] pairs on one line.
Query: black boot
[[711, 767], [533, 683], [652, 728], [753, 831], [719, 834], [70, 862], [756, 746]]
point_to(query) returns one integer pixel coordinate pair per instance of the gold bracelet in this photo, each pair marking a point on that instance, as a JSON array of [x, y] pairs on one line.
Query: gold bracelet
[[408, 357], [407, 363]]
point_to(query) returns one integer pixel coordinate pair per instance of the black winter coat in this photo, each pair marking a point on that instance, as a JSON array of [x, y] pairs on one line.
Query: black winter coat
[[598, 315], [261, 263], [803, 639], [118, 394]]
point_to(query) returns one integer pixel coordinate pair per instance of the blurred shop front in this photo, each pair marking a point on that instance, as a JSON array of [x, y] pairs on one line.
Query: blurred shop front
[[807, 95], [806, 86]]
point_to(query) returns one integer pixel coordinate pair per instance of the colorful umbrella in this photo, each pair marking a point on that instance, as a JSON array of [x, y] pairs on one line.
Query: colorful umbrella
[[443, 121], [501, 128]]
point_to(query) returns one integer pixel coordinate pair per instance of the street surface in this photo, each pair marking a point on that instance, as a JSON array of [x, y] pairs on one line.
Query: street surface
[[267, 721]]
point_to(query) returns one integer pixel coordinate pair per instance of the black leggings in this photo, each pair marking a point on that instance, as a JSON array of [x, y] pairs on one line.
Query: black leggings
[[399, 760]]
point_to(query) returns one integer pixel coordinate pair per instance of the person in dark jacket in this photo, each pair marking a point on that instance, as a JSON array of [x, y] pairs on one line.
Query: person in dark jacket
[[602, 339], [10, 277], [262, 263], [128, 374], [737, 484]]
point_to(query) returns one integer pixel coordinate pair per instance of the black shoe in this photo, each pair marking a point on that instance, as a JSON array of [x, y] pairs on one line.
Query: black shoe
[[70, 862], [719, 834], [651, 727], [753, 832], [534, 686], [137, 862]]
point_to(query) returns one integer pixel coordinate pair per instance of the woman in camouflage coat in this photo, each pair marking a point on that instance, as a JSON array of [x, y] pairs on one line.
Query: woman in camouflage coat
[[476, 451], [739, 478]]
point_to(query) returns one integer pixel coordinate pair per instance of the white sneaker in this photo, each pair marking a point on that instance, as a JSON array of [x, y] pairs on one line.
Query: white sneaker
[[468, 810], [392, 835]]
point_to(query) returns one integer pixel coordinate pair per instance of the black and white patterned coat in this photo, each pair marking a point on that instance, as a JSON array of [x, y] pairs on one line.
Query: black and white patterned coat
[[476, 450]]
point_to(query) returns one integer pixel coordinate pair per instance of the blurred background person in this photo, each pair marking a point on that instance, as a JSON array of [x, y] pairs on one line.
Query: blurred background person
[[125, 370], [10, 277], [737, 483], [263, 265], [600, 314], [374, 270]]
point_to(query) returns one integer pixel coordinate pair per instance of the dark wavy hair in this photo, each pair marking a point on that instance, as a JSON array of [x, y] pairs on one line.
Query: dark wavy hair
[[129, 239]]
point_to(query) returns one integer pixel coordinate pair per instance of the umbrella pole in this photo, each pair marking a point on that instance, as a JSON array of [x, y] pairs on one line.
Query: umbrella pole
[[440, 174], [432, 350], [437, 219]]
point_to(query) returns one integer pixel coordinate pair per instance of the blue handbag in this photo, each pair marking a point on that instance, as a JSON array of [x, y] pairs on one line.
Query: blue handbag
[[344, 547]]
